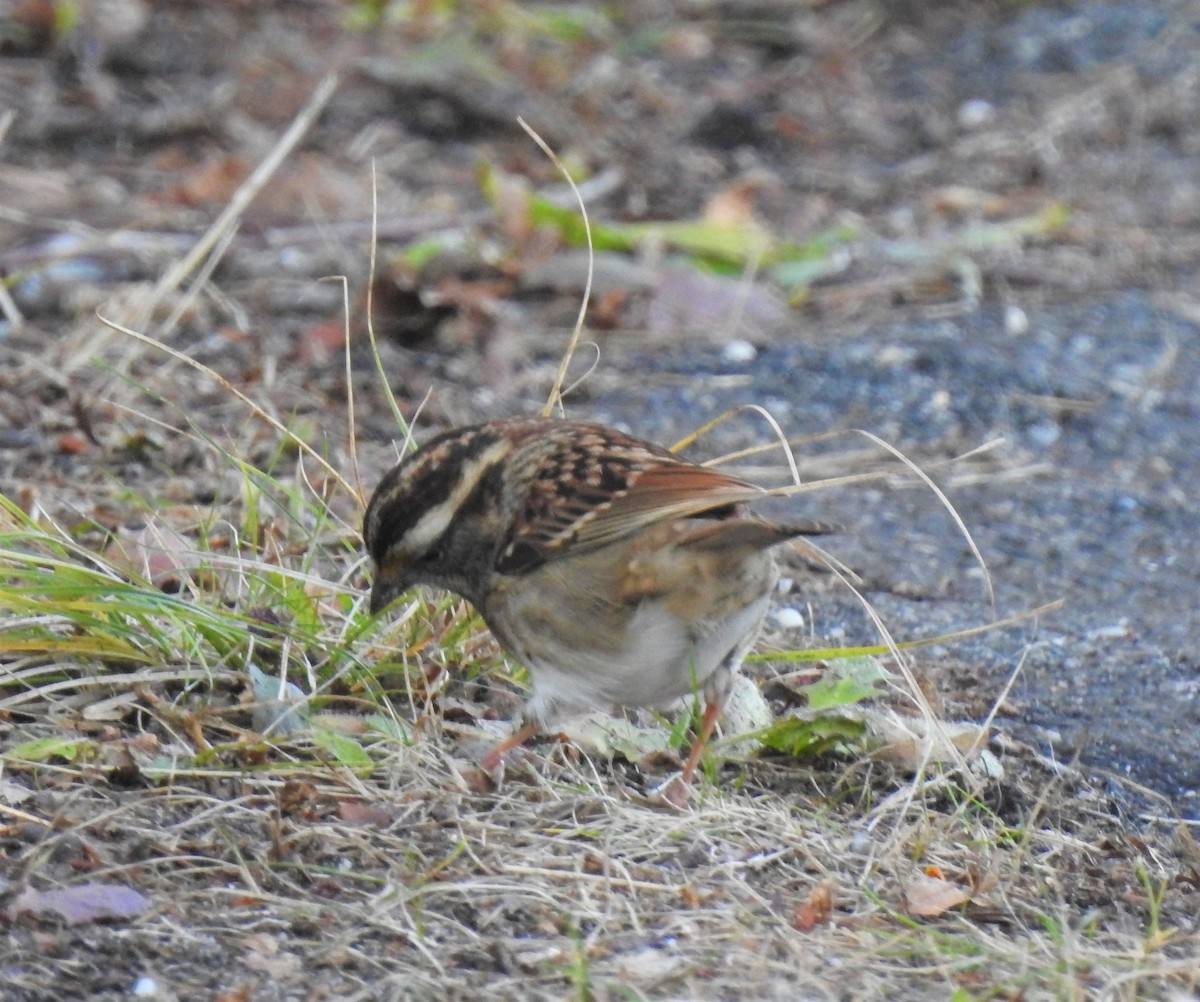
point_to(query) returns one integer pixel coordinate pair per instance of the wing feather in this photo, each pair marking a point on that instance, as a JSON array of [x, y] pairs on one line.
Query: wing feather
[[591, 486]]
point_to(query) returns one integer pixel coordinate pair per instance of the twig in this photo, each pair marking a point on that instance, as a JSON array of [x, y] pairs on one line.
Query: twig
[[214, 237]]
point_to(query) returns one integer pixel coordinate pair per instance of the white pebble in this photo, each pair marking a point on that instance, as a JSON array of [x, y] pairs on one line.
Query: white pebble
[[974, 113], [1015, 320], [738, 352], [789, 619]]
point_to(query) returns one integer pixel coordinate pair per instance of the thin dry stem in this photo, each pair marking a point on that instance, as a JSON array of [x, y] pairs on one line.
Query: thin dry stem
[[216, 238], [556, 390], [226, 385]]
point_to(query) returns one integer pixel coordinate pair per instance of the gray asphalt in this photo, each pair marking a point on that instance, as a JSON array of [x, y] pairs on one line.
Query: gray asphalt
[[1101, 401]]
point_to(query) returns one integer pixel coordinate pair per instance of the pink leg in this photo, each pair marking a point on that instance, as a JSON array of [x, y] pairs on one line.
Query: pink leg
[[712, 710]]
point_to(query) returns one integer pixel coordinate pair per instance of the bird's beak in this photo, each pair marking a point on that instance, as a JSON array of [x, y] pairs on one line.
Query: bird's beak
[[383, 594]]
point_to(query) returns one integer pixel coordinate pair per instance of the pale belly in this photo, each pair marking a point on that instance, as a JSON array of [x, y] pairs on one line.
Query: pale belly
[[641, 624], [657, 661]]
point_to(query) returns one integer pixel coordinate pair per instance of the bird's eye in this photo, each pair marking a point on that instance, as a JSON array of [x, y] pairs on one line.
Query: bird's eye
[[429, 557]]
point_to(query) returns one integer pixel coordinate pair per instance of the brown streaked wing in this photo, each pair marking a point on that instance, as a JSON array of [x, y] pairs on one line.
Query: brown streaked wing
[[622, 492], [662, 492]]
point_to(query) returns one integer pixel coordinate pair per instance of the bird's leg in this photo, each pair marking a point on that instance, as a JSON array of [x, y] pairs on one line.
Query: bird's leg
[[676, 792], [494, 758], [712, 710]]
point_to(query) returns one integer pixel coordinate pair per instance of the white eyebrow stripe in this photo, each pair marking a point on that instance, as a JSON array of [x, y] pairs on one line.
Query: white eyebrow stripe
[[428, 529]]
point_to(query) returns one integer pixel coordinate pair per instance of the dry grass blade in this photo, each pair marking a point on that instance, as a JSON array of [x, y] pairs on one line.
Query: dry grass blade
[[560, 377], [384, 382], [257, 410], [211, 245], [945, 502]]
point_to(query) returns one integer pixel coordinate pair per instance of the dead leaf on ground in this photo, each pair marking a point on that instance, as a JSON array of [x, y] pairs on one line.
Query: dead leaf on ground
[[817, 910], [355, 812], [11, 793], [928, 897], [212, 182], [651, 964], [82, 902], [298, 798], [910, 741], [264, 954]]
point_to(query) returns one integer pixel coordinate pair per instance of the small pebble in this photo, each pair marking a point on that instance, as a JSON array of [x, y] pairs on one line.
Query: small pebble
[[738, 352], [1015, 320], [974, 113], [1043, 434], [860, 842], [789, 619], [1115, 631]]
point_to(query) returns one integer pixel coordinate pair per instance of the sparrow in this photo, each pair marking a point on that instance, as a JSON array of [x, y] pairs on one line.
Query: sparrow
[[618, 573]]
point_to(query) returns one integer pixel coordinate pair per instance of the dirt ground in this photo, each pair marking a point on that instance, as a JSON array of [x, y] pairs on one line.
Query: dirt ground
[[1003, 211]]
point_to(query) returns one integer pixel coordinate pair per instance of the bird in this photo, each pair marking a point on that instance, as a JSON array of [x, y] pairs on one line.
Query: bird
[[618, 573]]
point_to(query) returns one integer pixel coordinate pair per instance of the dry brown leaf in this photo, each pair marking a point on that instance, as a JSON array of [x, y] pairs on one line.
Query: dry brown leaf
[[70, 444], [817, 910], [355, 812], [909, 741], [298, 798], [733, 206], [212, 182], [928, 897]]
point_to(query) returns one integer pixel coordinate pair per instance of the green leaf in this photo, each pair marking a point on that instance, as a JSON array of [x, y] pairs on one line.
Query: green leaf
[[721, 246], [41, 749], [346, 751], [798, 737], [389, 727], [852, 681], [417, 255]]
